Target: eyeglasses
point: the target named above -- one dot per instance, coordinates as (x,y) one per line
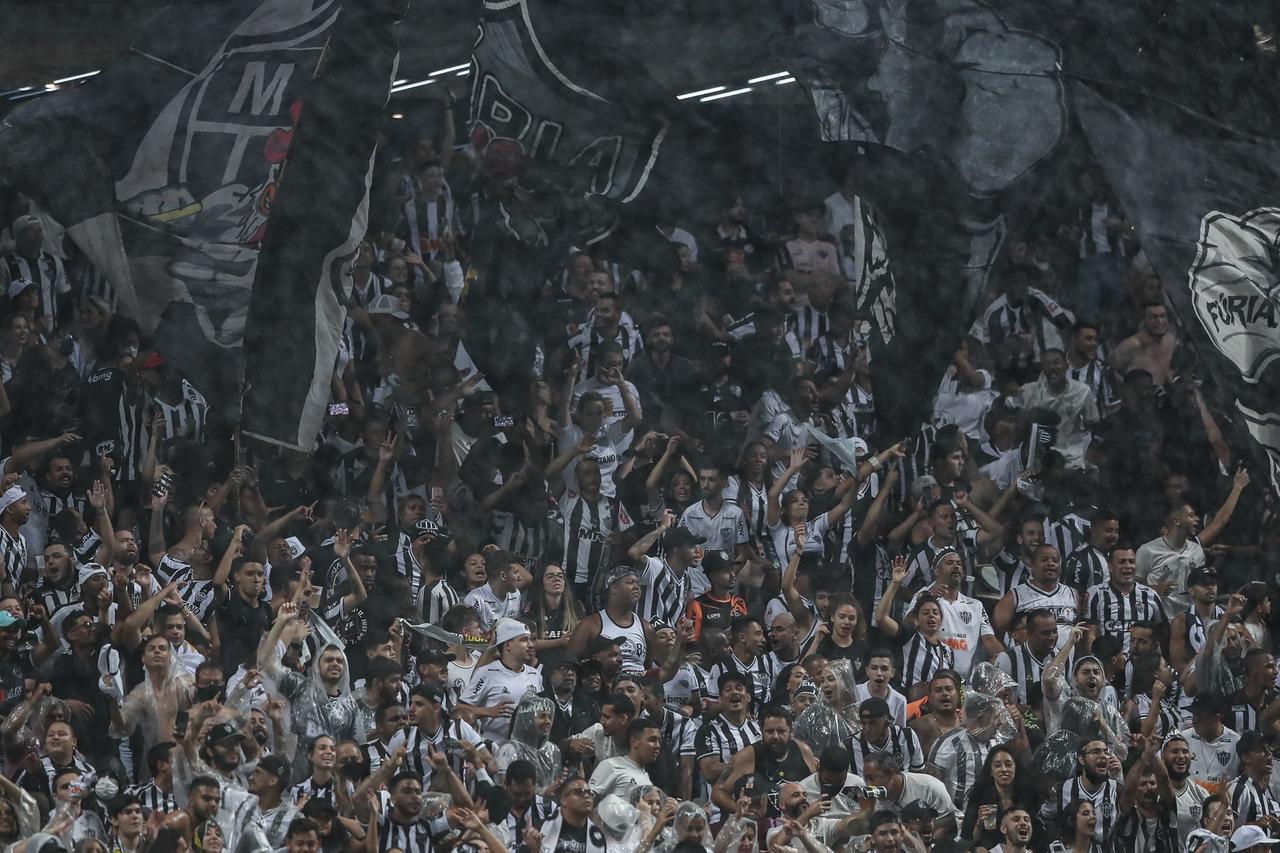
(578,792)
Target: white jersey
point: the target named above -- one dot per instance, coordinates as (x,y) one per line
(634,646)
(1062,602)
(494,684)
(1213,763)
(964,624)
(724,531)
(1190,806)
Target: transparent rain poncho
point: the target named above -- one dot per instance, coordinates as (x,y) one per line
(153,707)
(690,824)
(833,719)
(621,823)
(529,741)
(1082,720)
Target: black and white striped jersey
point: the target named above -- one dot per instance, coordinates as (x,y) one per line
(810,324)
(187,417)
(416,837)
(753,500)
(588,526)
(759,672)
(1250,801)
(13,553)
(1067,532)
(958,756)
(153,799)
(1085,567)
(1022,665)
(1011,569)
(721,739)
(54,503)
(434,599)
(665,594)
(1097,375)
(1106,803)
(1114,610)
(920,561)
(921,660)
(528,542)
(47,273)
(1196,631)
(899,742)
(1244,714)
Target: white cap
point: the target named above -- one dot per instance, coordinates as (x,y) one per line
(11,496)
(22,223)
(18,285)
(388,305)
(1250,835)
(296,548)
(509,629)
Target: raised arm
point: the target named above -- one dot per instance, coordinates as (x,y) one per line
(991,532)
(848,491)
(884,621)
(1052,677)
(342,549)
(638,552)
(565,416)
(229,556)
(871,521)
(1220,518)
(773,510)
(24,455)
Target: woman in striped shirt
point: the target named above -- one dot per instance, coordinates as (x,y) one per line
(923,651)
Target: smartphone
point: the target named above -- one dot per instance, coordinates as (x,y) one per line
(339,409)
(180,724)
(504,421)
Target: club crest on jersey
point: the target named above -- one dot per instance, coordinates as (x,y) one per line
(1224,757)
(966,617)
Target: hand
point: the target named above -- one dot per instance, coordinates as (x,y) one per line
(799,533)
(1158,688)
(97,496)
(37,612)
(469,819)
(899,569)
(673,444)
(684,630)
(287,612)
(518,479)
(668,520)
(438,760)
(68,438)
(159,500)
(614,377)
(532,839)
(275,710)
(1241,479)
(985,812)
(1235,604)
(1114,767)
(342,544)
(502,709)
(387,450)
(798,455)
(82,711)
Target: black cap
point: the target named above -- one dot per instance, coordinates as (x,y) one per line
(715,561)
(678,537)
(918,810)
(428,691)
(432,655)
(873,706)
(221,732)
(1203,575)
(277,766)
(1206,703)
(600,644)
(1249,741)
(731,677)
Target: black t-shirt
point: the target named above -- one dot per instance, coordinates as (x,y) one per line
(240,628)
(572,839)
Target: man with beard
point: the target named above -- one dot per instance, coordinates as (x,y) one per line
(831,779)
(268,782)
(1096,762)
(1188,797)
(57,587)
(1250,792)
(747,658)
(943,712)
(1042,591)
(964,619)
(1015,828)
(218,771)
(777,756)
(574,710)
(1025,663)
(1213,745)
(497,687)
(402,826)
(1189,630)
(1014,566)
(352,716)
(732,731)
(1148,814)
(1167,561)
(904,787)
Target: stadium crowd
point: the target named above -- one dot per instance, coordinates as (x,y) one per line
(670,591)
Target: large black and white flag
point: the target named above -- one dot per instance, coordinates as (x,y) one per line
(317,220)
(165,166)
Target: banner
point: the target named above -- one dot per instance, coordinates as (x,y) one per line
(163,168)
(318,218)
